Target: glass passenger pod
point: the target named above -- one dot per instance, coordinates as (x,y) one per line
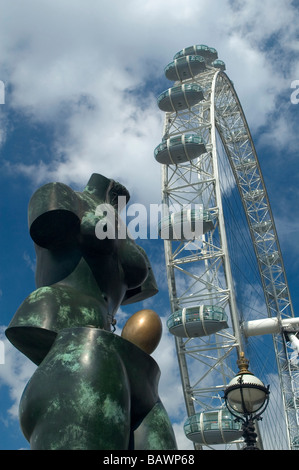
(208,53)
(185,67)
(292,365)
(180,97)
(202,320)
(279,291)
(219,64)
(255,195)
(262,227)
(293,403)
(187,224)
(246,164)
(213,427)
(270,258)
(180,149)
(237,137)
(295,443)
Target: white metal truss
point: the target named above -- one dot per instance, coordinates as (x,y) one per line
(199,271)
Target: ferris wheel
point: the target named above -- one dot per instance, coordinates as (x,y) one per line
(226,278)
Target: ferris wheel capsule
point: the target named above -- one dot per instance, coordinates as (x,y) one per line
(185,67)
(188,224)
(262,227)
(208,53)
(180,149)
(213,427)
(202,320)
(255,195)
(180,97)
(219,64)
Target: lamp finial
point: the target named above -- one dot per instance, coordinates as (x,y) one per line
(243,364)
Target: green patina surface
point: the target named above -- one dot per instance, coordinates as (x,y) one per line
(88,397)
(39,294)
(64,314)
(158,434)
(71,433)
(113,412)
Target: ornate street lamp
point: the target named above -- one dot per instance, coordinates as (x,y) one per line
(246,397)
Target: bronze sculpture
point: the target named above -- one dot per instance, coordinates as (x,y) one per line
(92,389)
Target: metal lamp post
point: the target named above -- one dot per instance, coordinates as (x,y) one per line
(246,397)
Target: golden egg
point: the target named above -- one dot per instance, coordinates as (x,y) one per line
(144,329)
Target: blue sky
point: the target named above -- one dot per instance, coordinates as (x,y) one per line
(81,81)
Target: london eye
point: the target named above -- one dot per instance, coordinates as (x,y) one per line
(227,284)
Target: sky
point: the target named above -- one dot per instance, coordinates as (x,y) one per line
(81,80)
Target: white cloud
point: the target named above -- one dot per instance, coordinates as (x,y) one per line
(166,357)
(182,442)
(14,373)
(281,133)
(29,262)
(84,68)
